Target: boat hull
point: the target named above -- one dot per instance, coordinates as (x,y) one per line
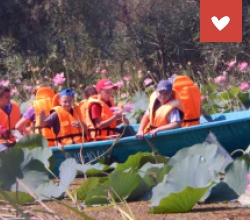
(232,130)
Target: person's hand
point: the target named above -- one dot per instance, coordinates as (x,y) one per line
(153,132)
(125,120)
(75,124)
(139,135)
(118,115)
(42,116)
(79,124)
(60,146)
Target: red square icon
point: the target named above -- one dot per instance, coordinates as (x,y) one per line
(220,21)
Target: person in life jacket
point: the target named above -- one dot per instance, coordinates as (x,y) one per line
(42,102)
(83,105)
(101,119)
(190,97)
(165,111)
(65,120)
(10,114)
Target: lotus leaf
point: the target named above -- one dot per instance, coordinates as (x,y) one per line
(189,180)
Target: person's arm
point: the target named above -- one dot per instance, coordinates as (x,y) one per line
(22,123)
(143,124)
(103,124)
(96,117)
(174,121)
(28,116)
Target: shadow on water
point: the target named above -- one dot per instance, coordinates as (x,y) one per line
(210,119)
(220,118)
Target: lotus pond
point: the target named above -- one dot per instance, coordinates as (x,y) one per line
(144,185)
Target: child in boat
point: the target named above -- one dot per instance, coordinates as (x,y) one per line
(10,114)
(43,102)
(101,120)
(87,92)
(65,120)
(165,111)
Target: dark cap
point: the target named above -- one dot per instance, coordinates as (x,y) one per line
(164,85)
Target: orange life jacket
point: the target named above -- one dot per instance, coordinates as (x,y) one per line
(158,117)
(43,102)
(68,134)
(190,97)
(83,105)
(106,113)
(9,122)
(55,100)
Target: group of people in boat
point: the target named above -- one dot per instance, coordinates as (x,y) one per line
(175,103)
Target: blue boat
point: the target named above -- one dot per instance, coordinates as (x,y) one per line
(232,130)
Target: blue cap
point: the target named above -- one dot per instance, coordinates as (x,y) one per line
(164,85)
(67,92)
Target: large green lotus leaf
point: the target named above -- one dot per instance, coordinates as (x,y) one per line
(236,174)
(181,201)
(92,169)
(38,146)
(32,141)
(68,169)
(88,185)
(139,191)
(154,159)
(49,190)
(123,183)
(221,192)
(154,173)
(119,184)
(23,198)
(67,174)
(98,195)
(191,174)
(43,154)
(216,156)
(134,161)
(19,163)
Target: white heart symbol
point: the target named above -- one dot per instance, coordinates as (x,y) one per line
(220,24)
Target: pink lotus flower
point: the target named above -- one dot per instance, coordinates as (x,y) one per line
(14,91)
(4,82)
(248,177)
(28,88)
(2,129)
(220,79)
(128,107)
(243,66)
(119,83)
(104,71)
(58,79)
(147,81)
(127,78)
(244,86)
(202,97)
(248,187)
